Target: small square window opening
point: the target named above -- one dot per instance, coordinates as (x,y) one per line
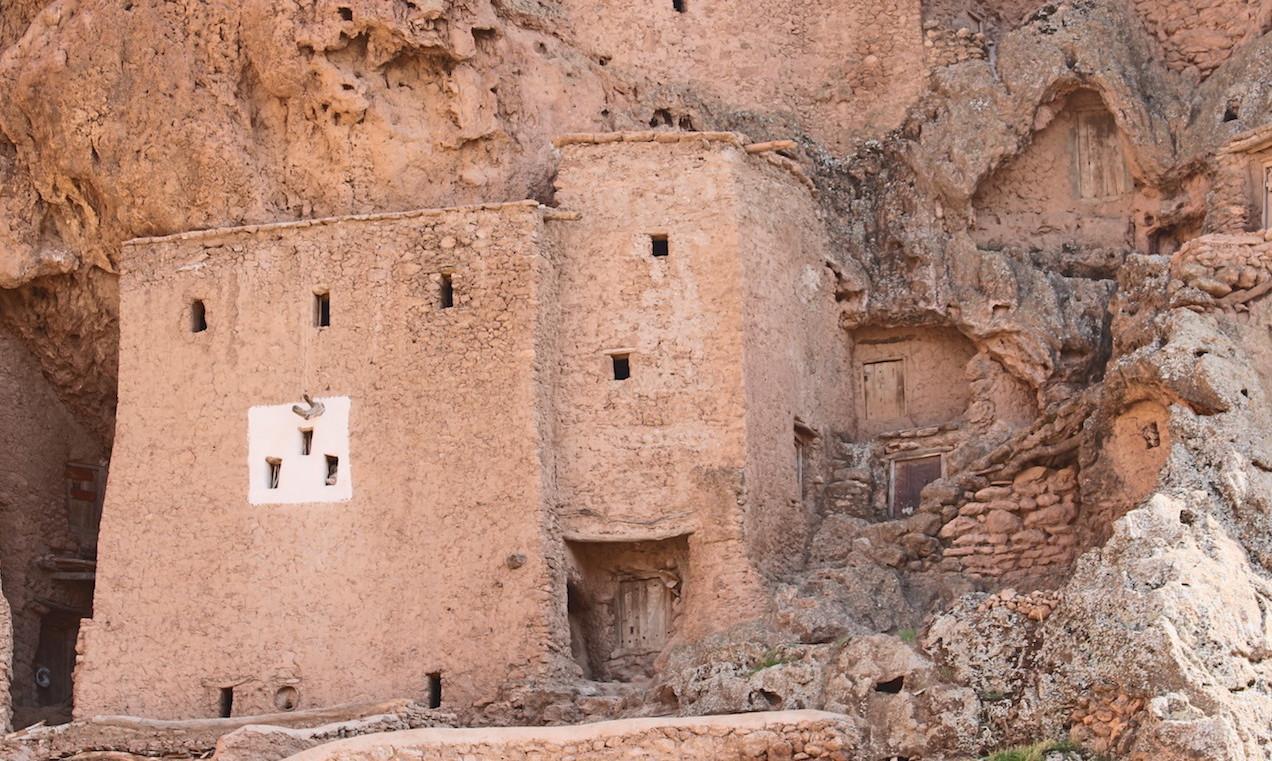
(659,245)
(333,469)
(622,366)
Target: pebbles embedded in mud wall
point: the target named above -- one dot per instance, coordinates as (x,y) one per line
(947,46)
(1018,529)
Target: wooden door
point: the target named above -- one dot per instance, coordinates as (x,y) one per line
(644,615)
(884,384)
(1101,168)
(908,479)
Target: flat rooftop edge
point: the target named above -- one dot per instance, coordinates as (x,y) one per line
(212,233)
(561,734)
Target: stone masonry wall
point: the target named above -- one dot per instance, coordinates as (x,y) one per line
(1023,528)
(775,736)
(1222,270)
(1201,34)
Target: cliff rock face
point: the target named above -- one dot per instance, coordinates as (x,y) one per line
(1037,194)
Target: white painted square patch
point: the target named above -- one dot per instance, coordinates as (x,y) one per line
(281,471)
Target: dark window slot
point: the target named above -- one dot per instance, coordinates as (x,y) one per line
(333,469)
(435,690)
(306,440)
(622,366)
(225,704)
(446,292)
(198,317)
(659,245)
(274,468)
(322,310)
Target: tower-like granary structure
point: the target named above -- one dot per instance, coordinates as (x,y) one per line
(437,453)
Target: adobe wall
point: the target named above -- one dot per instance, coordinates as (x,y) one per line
(1033,201)
(660,454)
(347,600)
(38,436)
(6,662)
(796,359)
(772,735)
(728,335)
(935,361)
(822,57)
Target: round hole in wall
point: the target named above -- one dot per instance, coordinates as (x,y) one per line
(287,698)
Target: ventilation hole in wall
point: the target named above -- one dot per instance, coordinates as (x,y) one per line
(198,317)
(1232,111)
(333,469)
(1245,392)
(286,698)
(346,14)
(322,309)
(1152,436)
(225,703)
(273,469)
(604,60)
(306,440)
(446,291)
(686,123)
(622,366)
(661,117)
(679,5)
(892,686)
(435,690)
(1186,517)
(484,38)
(659,245)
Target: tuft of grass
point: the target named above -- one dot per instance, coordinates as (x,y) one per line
(773,657)
(908,636)
(1036,752)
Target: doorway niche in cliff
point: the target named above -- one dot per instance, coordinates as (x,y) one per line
(909,377)
(1071,184)
(624,601)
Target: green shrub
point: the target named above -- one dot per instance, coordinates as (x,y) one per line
(1035,752)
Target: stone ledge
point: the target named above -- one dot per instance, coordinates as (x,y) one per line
(820,734)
